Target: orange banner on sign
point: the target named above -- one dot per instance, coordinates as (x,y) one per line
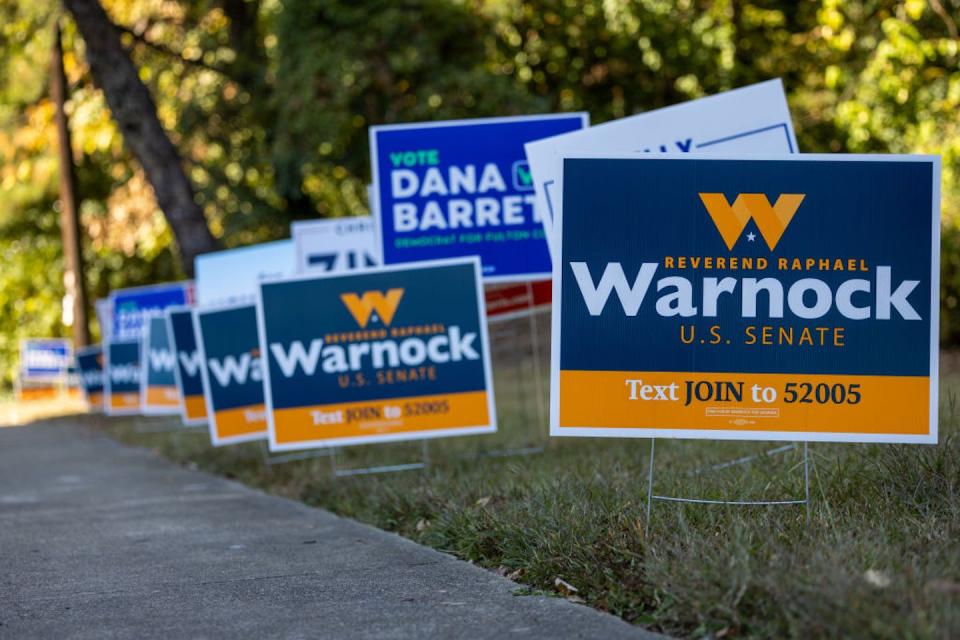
(195,407)
(95,400)
(245,421)
(162,396)
(125,400)
(743,402)
(381,417)
(38,393)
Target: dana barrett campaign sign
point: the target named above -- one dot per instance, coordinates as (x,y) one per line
(232,378)
(122,388)
(463,188)
(90,366)
(158,391)
(186,372)
(793,298)
(396,353)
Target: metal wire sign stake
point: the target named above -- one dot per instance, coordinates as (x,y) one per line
(724,465)
(337,472)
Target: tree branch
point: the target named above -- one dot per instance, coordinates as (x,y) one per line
(168,51)
(946,17)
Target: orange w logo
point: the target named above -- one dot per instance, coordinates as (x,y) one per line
(361,307)
(732,219)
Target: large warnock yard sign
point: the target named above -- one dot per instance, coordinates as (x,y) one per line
(395,353)
(793,298)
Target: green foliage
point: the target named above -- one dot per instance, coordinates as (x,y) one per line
(335,78)
(29,305)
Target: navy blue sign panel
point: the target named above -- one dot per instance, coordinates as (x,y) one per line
(789,298)
(463,188)
(90,367)
(123,378)
(388,354)
(159,392)
(232,374)
(187,372)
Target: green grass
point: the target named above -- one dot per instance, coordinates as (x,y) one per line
(878,558)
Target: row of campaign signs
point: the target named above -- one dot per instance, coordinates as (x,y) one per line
(705,279)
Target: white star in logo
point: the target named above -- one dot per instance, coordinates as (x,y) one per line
(751,236)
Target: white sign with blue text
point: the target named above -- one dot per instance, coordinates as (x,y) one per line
(230,277)
(750,120)
(336,244)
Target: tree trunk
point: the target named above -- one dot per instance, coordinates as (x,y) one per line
(136,115)
(74,277)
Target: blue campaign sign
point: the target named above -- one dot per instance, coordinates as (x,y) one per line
(463,188)
(189,380)
(122,389)
(789,298)
(394,353)
(44,359)
(131,307)
(90,366)
(232,376)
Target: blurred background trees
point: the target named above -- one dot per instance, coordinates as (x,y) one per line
(268,103)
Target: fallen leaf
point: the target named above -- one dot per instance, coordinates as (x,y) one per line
(484,501)
(516,575)
(877,579)
(565,587)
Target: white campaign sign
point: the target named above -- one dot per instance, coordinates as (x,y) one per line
(231,277)
(338,244)
(104,309)
(753,119)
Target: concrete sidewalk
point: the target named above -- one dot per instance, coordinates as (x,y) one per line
(99,540)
